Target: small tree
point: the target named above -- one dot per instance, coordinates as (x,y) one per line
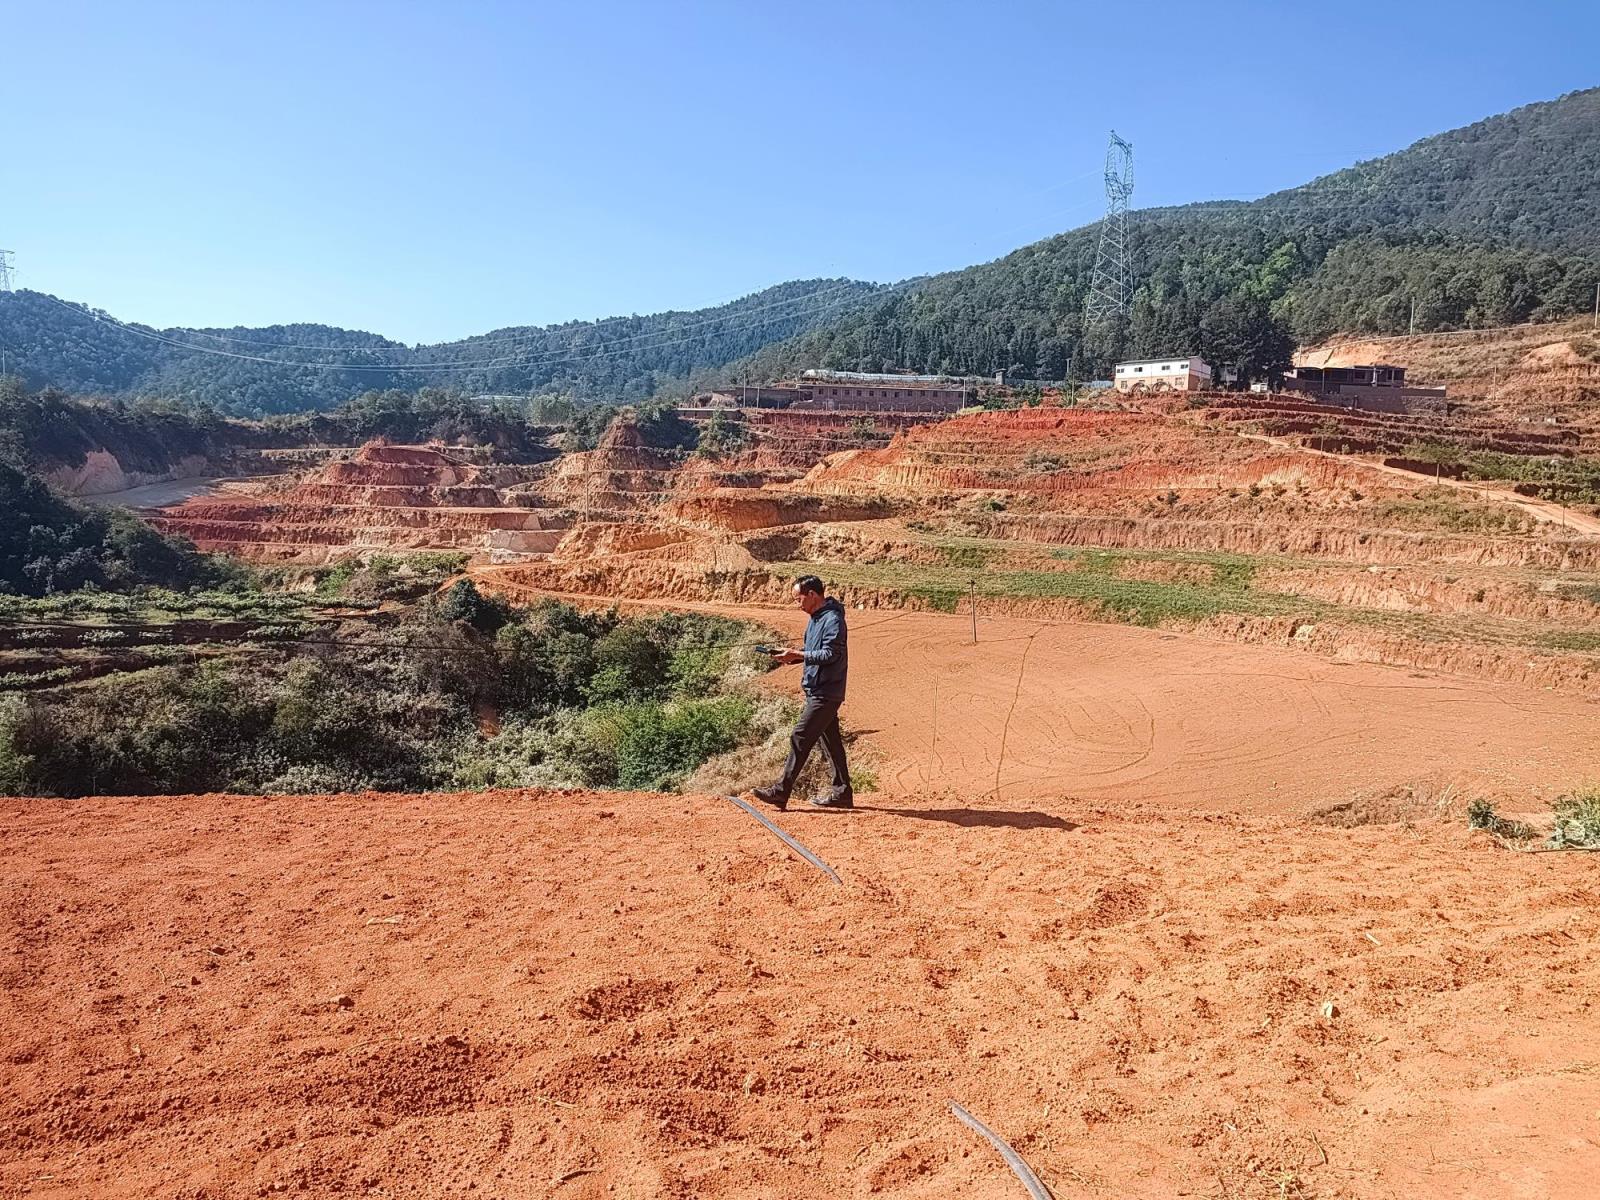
(722,434)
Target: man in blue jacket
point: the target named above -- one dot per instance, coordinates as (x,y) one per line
(826,659)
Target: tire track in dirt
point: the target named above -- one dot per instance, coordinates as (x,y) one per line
(1119,713)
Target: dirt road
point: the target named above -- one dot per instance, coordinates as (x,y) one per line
(525,994)
(1118,713)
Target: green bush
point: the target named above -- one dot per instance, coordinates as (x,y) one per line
(465,603)
(584,698)
(1577,819)
(658,745)
(49,544)
(723,433)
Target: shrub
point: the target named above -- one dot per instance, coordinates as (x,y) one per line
(660,426)
(1577,819)
(401,718)
(658,745)
(722,433)
(630,664)
(1481,815)
(23,728)
(466,604)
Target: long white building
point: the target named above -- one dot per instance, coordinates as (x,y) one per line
(1163,374)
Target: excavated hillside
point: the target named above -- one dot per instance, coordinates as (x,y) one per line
(1257,518)
(1537,373)
(382,498)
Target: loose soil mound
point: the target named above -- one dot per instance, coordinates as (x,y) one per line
(527,994)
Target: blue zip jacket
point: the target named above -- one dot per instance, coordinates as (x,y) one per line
(827,653)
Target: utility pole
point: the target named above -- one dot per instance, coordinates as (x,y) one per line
(5,270)
(1413,314)
(1112,286)
(972,584)
(1597,307)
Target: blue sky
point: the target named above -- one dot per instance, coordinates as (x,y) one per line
(431,170)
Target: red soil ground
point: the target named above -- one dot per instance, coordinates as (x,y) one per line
(527,994)
(1119,713)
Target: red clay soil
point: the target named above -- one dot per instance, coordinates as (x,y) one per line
(534,994)
(1115,713)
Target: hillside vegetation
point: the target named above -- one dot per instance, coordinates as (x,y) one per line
(1495,223)
(1491,224)
(289,368)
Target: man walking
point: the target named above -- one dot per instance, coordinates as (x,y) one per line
(826,660)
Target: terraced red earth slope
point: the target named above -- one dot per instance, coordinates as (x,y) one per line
(381,498)
(535,994)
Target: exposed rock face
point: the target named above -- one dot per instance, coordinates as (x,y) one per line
(102,473)
(382,498)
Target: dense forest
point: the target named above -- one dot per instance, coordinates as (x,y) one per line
(1494,223)
(293,368)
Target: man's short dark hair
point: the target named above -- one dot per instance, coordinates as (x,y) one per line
(809,583)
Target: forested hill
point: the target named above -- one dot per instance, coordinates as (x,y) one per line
(289,368)
(1494,223)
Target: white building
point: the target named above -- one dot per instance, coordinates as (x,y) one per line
(1163,374)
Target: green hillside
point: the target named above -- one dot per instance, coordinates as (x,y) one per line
(289,368)
(1495,223)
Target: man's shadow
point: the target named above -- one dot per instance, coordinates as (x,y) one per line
(975,818)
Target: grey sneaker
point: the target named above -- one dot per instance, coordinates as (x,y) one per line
(833,800)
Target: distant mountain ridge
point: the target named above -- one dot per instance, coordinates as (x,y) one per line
(1494,223)
(286,368)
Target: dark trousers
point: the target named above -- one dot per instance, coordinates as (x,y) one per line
(819,722)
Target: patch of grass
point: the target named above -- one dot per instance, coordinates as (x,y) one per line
(158,605)
(939,599)
(1577,819)
(1581,591)
(1575,478)
(863,779)
(1438,508)
(971,557)
(1136,601)
(20,679)
(1582,641)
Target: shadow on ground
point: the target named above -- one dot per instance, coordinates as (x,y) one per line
(992,818)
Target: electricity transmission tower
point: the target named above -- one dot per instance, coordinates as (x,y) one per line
(1112,286)
(5,270)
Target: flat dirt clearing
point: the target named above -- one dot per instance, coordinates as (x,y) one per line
(528,994)
(1118,713)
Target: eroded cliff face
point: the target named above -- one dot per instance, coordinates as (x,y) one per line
(102,473)
(1244,517)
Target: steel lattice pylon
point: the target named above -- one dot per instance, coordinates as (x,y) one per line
(1112,288)
(5,270)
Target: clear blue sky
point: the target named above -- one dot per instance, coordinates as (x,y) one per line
(430,170)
